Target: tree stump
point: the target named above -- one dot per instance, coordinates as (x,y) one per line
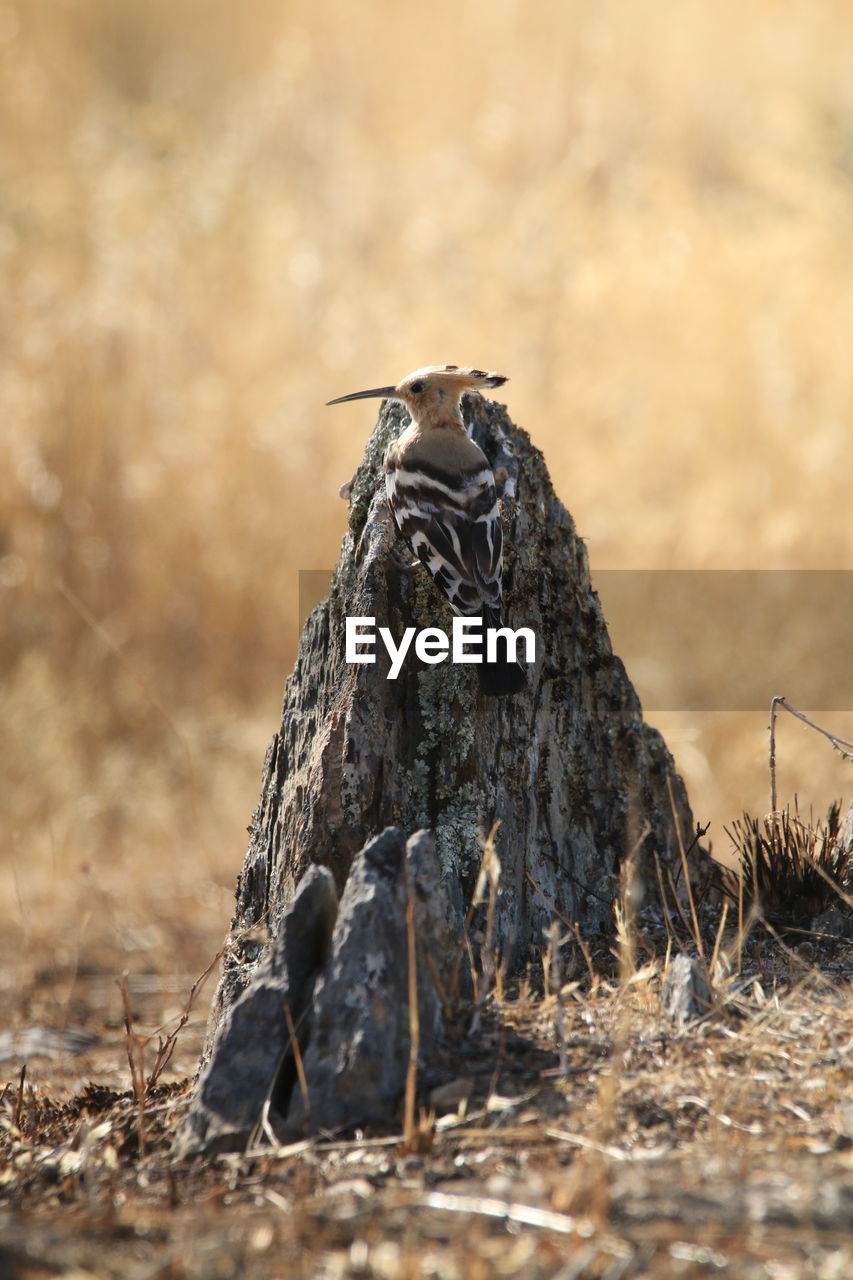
(568,768)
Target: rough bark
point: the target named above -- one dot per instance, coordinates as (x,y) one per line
(575,777)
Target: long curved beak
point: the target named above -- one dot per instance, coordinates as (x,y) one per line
(378,393)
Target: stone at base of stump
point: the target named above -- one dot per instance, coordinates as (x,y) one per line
(348,998)
(685,994)
(249,1048)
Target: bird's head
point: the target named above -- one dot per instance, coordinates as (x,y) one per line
(432,395)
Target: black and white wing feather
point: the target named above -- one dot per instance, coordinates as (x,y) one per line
(452,523)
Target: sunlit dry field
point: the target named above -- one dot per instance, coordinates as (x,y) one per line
(215,216)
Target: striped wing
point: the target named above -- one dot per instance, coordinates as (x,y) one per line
(452,524)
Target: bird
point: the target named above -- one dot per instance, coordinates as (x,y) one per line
(443,497)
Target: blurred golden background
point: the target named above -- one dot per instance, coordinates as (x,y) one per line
(214,216)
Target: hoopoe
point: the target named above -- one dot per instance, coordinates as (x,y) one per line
(441,491)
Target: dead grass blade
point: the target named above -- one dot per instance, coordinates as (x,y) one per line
(300,1065)
(135,1049)
(697,932)
(507,1211)
(166,1044)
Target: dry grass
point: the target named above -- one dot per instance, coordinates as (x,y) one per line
(577,1132)
(216,215)
(789,868)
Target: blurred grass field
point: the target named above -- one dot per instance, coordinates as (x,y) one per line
(215,216)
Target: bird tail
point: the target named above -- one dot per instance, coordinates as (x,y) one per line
(504,675)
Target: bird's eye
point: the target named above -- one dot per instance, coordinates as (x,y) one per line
(416,387)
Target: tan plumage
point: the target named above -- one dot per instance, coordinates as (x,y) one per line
(442,493)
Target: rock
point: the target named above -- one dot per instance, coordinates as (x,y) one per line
(348,992)
(249,1060)
(834,923)
(685,993)
(358,1054)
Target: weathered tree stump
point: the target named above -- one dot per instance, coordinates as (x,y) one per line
(568,768)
